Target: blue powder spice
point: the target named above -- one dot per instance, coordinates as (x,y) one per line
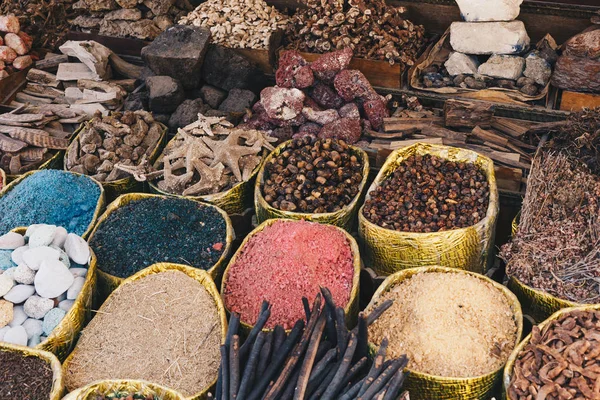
(50,197)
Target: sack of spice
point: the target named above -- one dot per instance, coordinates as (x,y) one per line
(123,389)
(282,261)
(320,180)
(456,327)
(165,325)
(430,205)
(29,374)
(138,230)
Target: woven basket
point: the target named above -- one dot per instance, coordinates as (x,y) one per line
(53,162)
(388,251)
(350,309)
(3,181)
(430,387)
(203,278)
(107,282)
(343,218)
(108,387)
(57,377)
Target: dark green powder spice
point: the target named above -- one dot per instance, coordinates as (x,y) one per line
(152,230)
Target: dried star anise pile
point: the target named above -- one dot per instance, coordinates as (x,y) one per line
(429,194)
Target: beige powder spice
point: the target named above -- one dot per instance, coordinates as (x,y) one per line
(448,324)
(163,328)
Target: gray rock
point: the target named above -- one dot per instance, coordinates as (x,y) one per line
(530,90)
(124,14)
(136,101)
(503,67)
(33,327)
(77,249)
(19,317)
(186,113)
(66,305)
(34,341)
(11,241)
(53,279)
(537,68)
(162,118)
(489,10)
(212,96)
(19,293)
(52,319)
(226,69)
(6,283)
(459,63)
(179,53)
(23,274)
(16,335)
(159,7)
(522,81)
(238,101)
(165,94)
(60,235)
(35,256)
(36,307)
(489,37)
(17,254)
(3,332)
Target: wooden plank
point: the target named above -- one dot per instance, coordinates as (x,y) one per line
(489,136)
(513,127)
(573,101)
(508,178)
(466,114)
(51,63)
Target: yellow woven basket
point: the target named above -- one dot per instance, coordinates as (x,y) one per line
(125,185)
(510,364)
(99,206)
(388,251)
(430,387)
(2,179)
(107,282)
(107,387)
(57,377)
(343,218)
(350,310)
(203,278)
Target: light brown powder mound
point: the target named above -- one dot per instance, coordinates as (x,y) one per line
(163,328)
(448,324)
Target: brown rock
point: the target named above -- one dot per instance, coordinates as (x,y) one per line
(347,129)
(586,44)
(577,74)
(159,7)
(127,3)
(124,14)
(6,313)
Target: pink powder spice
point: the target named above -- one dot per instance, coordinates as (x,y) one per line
(283,263)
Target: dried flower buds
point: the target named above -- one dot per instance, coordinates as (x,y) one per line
(313,176)
(429,194)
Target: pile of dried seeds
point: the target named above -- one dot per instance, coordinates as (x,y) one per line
(24,377)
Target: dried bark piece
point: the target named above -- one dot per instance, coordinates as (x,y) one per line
(9,144)
(35,137)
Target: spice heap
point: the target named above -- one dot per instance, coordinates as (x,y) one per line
(210,156)
(155,229)
(14,46)
(109,147)
(41,275)
(46,197)
(284,262)
(163,328)
(238,23)
(313,176)
(24,376)
(372,29)
(557,246)
(560,361)
(129,18)
(432,309)
(429,194)
(319,359)
(322,98)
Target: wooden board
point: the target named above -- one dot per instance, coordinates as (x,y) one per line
(573,101)
(10,86)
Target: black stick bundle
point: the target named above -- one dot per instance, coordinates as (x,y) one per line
(321,360)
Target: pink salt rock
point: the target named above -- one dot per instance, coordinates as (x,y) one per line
(27,40)
(1,41)
(259,119)
(7,54)
(293,71)
(282,104)
(328,65)
(349,110)
(2,65)
(320,117)
(309,128)
(326,97)
(15,42)
(376,111)
(9,23)
(285,262)
(352,84)
(22,62)
(309,102)
(347,129)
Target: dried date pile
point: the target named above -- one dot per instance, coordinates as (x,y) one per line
(561,361)
(373,29)
(429,194)
(313,176)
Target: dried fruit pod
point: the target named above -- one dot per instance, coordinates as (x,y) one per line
(388,251)
(111,386)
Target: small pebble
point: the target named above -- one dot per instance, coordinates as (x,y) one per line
(63,257)
(11,240)
(60,235)
(75,288)
(16,335)
(53,279)
(34,257)
(42,236)
(52,319)
(66,305)
(19,317)
(6,260)
(23,274)
(33,341)
(17,254)
(77,272)
(6,313)
(3,332)
(19,293)
(33,327)
(10,272)
(6,283)
(37,307)
(31,229)
(77,249)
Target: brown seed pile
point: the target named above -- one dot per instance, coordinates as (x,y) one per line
(448,324)
(429,194)
(313,176)
(373,29)
(109,147)
(163,328)
(561,361)
(24,377)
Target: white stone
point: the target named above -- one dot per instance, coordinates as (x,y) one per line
(503,67)
(75,288)
(33,341)
(77,249)
(66,305)
(537,69)
(16,335)
(77,272)
(19,317)
(63,257)
(19,293)
(37,307)
(6,283)
(489,37)
(459,63)
(31,229)
(33,327)
(34,257)
(60,235)
(489,10)
(11,241)
(53,279)
(3,332)
(10,272)
(60,298)
(23,274)
(43,235)
(17,254)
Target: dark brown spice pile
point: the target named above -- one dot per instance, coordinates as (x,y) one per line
(24,377)
(429,194)
(126,396)
(313,176)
